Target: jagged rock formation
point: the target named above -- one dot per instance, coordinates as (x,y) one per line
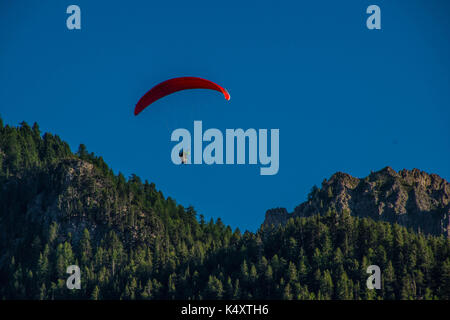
(412,198)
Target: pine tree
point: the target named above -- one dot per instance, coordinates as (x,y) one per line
(214,288)
(237,290)
(292,272)
(342,288)
(95,293)
(171,286)
(326,285)
(287,294)
(444,290)
(388,280)
(85,247)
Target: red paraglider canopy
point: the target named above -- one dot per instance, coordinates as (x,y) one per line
(173,85)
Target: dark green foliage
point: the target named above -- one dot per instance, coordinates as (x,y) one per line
(130,242)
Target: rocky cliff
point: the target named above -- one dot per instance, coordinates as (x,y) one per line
(76,195)
(412,198)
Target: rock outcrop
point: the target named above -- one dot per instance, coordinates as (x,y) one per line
(412,198)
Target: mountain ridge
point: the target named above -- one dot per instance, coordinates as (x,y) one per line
(412,198)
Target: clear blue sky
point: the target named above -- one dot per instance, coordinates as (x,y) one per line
(344,98)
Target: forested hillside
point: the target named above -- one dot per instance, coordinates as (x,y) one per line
(59,208)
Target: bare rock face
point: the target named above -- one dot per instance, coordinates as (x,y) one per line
(276,216)
(412,198)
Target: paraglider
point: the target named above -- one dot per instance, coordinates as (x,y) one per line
(183,156)
(173,85)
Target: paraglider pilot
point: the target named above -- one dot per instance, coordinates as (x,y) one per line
(183,156)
